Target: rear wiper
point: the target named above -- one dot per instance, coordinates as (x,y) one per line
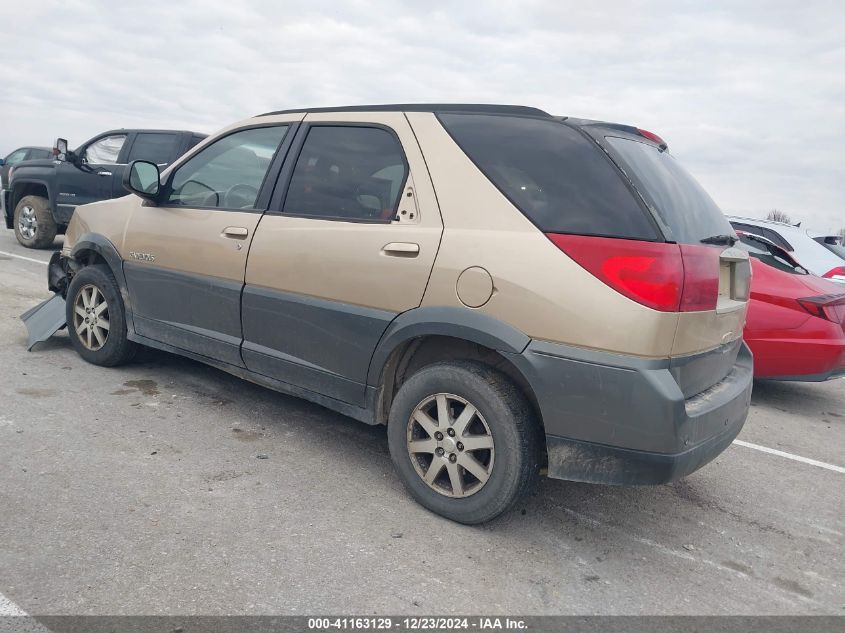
(721,240)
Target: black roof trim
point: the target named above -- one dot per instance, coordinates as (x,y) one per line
(477,108)
(143,130)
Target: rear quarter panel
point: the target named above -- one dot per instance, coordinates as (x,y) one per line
(537,288)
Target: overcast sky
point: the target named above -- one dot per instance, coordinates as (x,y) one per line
(749,95)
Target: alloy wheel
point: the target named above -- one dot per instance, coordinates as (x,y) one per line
(450,445)
(27,222)
(91,317)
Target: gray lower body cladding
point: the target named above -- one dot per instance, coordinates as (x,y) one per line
(619,420)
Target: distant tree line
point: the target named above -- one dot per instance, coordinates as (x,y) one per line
(776,215)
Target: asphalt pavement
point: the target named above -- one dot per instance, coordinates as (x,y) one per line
(168,487)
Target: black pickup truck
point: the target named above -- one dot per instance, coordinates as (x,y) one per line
(42,194)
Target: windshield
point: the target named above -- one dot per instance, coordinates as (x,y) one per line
(682,204)
(774,256)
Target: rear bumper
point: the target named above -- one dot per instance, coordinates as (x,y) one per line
(621,420)
(595,463)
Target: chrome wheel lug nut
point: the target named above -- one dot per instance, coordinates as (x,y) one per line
(439,452)
(438,436)
(451,432)
(453,458)
(460,446)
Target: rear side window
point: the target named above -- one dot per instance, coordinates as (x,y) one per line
(156,148)
(767,233)
(354,173)
(39,154)
(771,255)
(558,178)
(682,204)
(777,239)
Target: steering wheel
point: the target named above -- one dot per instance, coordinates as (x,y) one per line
(247,193)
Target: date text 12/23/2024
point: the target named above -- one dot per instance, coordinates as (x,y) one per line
(415,624)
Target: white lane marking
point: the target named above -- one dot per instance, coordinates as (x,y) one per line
(7,607)
(28,259)
(797,458)
(27,624)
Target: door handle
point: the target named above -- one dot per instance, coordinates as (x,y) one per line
(235,232)
(104,173)
(401,249)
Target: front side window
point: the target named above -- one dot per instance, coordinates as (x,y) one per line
(347,172)
(104,151)
(156,148)
(228,173)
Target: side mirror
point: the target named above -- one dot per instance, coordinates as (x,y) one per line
(60,150)
(143,179)
(2,162)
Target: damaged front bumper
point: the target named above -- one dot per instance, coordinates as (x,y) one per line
(48,317)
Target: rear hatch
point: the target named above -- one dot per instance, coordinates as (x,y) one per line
(717,275)
(617,203)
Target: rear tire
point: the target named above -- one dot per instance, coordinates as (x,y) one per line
(34,224)
(491,431)
(96,318)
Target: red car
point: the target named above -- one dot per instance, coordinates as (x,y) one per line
(796,321)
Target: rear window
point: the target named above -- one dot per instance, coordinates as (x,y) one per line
(39,154)
(836,249)
(831,243)
(682,204)
(554,175)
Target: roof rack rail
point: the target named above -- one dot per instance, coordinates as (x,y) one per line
(477,108)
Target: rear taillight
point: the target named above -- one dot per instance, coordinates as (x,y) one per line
(665,277)
(837,274)
(823,306)
(701,277)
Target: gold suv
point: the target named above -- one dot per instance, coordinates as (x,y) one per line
(508,291)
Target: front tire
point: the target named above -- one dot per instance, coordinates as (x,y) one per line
(464,440)
(96,318)
(33,222)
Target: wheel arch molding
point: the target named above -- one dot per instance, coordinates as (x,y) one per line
(27,186)
(458,323)
(107,253)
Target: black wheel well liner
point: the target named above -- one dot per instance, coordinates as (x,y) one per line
(93,248)
(27,188)
(456,335)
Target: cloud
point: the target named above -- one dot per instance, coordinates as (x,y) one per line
(750,95)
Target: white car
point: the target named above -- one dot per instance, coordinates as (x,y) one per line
(822,254)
